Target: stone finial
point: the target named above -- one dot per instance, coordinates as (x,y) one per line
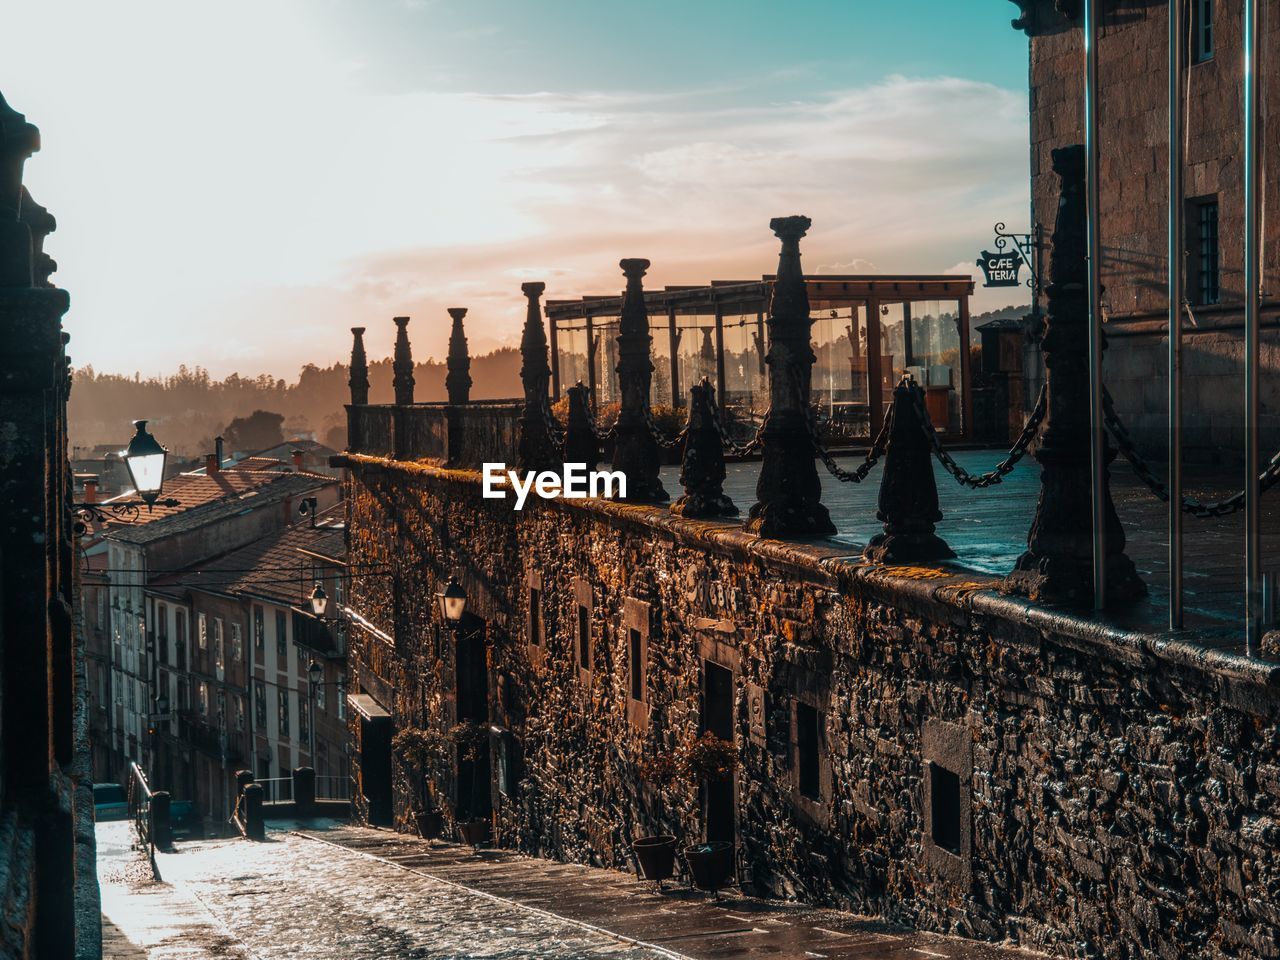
(458,380)
(359,379)
(1058,563)
(788,493)
(702,470)
(41,223)
(536,447)
(581,445)
(908,492)
(402,364)
(18,141)
(635,449)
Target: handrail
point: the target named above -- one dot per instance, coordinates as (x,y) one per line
(139,796)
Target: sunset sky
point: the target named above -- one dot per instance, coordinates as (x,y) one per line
(238,183)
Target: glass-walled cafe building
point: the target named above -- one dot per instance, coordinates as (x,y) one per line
(867,333)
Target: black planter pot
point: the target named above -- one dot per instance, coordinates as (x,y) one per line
(474,832)
(430,824)
(711,864)
(656,857)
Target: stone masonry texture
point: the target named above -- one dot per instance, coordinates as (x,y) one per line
(1119,796)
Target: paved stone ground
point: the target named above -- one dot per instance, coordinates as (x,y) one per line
(988,530)
(334,892)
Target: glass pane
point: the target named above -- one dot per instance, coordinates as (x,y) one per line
(571,347)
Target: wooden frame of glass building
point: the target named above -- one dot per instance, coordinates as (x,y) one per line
(866,330)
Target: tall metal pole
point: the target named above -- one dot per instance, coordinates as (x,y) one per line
(1176,293)
(1094,247)
(1252,283)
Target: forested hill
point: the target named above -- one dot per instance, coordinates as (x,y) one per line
(188,409)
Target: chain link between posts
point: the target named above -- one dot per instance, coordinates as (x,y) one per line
(1219,508)
(1002,469)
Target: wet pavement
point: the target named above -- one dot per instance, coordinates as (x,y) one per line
(330,891)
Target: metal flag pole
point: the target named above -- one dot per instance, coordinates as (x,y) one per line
(1177,17)
(1096,449)
(1252,47)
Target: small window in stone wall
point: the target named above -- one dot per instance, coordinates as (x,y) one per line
(808,758)
(535,616)
(636,663)
(635,625)
(944,808)
(582,638)
(947,759)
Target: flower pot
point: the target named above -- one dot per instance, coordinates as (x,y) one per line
(474,832)
(656,857)
(430,824)
(711,864)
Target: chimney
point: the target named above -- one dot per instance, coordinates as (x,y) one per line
(289,517)
(217,448)
(297,459)
(90,489)
(211,464)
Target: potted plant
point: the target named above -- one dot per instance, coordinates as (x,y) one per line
(471,739)
(656,855)
(425,753)
(710,760)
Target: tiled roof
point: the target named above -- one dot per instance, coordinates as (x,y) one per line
(275,567)
(205,499)
(258,463)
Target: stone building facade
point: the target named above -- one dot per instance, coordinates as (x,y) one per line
(911,742)
(1133,145)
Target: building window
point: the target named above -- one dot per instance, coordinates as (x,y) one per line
(535,616)
(162,633)
(283,695)
(282,641)
(239,712)
(342,702)
(260,705)
(1201,30)
(259,630)
(320,696)
(180,639)
(304,723)
(203,692)
(584,637)
(202,630)
(1205,275)
(237,643)
(635,661)
(944,808)
(808,751)
(218,660)
(184,695)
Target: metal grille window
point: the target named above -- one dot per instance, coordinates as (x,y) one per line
(260,705)
(1201,30)
(282,641)
(1207,251)
(284,713)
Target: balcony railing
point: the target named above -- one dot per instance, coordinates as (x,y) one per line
(456,435)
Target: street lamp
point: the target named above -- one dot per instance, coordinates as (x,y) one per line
(315,674)
(319,600)
(145,459)
(453,602)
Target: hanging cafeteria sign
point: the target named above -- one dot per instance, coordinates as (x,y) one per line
(1001,267)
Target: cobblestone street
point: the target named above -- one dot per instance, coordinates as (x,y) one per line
(349,893)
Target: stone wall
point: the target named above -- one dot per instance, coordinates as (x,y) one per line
(1133,194)
(987,767)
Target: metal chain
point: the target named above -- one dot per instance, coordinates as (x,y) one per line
(1219,508)
(661,438)
(859,473)
(737,449)
(555,432)
(1005,466)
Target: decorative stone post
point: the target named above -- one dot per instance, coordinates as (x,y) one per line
(402,364)
(908,492)
(359,372)
(1058,563)
(788,493)
(581,445)
(536,449)
(635,450)
(702,467)
(358,381)
(458,380)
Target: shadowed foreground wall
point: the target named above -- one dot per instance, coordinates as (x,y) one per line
(1116,794)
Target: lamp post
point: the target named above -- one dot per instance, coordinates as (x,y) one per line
(319,600)
(315,674)
(144,459)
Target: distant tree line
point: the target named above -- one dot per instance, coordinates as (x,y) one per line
(189,408)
